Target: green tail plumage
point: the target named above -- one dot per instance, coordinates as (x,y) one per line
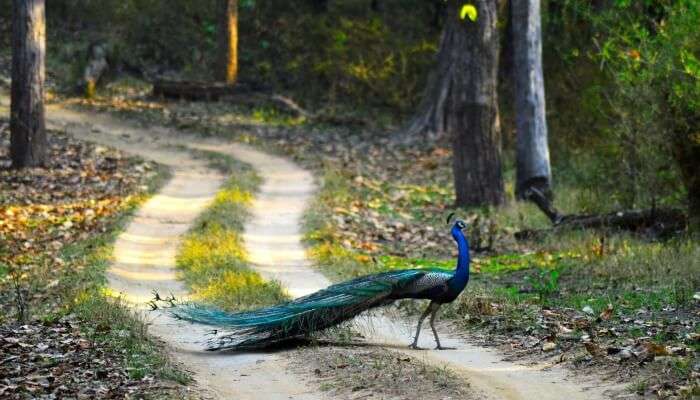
(300,317)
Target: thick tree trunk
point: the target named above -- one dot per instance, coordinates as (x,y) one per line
(27,127)
(471,104)
(532,151)
(228,40)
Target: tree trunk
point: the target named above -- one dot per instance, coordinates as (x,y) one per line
(228,40)
(532,151)
(429,121)
(687,154)
(470,109)
(27,127)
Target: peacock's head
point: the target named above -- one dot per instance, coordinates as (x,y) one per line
(459,224)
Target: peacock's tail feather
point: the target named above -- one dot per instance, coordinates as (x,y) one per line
(315,312)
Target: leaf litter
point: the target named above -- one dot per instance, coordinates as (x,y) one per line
(57,361)
(51,222)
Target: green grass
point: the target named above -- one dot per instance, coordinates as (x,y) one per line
(117,329)
(212,259)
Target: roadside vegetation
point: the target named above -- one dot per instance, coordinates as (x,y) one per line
(56,236)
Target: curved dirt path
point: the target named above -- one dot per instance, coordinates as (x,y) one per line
(144,260)
(144,254)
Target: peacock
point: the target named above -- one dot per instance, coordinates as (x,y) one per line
(335,304)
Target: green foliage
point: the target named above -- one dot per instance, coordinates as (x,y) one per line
(347,53)
(622,92)
(174,34)
(656,97)
(348,56)
(545,283)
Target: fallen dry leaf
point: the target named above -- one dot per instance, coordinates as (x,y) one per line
(607,313)
(594,349)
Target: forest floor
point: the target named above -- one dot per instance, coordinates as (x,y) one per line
(144,260)
(619,304)
(173,217)
(381,206)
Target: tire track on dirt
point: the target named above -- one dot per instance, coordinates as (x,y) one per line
(144,257)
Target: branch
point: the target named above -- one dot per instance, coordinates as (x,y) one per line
(536,196)
(658,222)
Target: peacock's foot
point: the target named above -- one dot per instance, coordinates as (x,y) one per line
(414,346)
(438,347)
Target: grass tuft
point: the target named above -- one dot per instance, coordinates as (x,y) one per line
(212,258)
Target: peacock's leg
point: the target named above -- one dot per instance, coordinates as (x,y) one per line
(414,345)
(432,325)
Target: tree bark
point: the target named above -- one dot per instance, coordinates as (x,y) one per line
(532,151)
(27,126)
(228,40)
(470,110)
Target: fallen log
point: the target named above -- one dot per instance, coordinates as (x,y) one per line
(194,90)
(291,105)
(322,116)
(244,94)
(656,222)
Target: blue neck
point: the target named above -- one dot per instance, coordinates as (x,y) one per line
(461,275)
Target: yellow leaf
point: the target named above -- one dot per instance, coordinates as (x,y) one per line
(468,10)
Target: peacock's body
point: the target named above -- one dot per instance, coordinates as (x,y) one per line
(335,304)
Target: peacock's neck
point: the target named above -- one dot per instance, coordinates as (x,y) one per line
(463,259)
